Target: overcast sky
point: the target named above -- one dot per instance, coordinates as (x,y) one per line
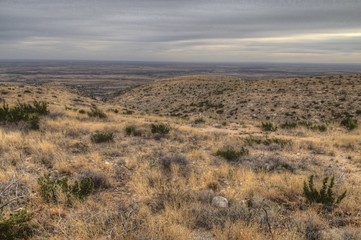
(321,31)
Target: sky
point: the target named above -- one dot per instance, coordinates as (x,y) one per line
(305,31)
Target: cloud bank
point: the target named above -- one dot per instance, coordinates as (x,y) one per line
(324,31)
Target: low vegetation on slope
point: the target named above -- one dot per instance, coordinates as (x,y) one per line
(94,170)
(321,99)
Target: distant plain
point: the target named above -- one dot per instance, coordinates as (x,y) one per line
(104,78)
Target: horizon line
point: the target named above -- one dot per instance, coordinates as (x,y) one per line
(175,62)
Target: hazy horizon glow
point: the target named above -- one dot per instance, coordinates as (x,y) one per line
(319,31)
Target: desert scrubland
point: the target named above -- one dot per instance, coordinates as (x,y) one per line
(196,157)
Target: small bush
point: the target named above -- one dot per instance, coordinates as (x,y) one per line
(40,108)
(82,111)
(48,188)
(349,123)
(325,195)
(215,186)
(102,137)
(53,189)
(82,188)
(128,112)
(199,121)
(168,161)
(114,110)
(96,112)
(16,226)
(22,111)
(267,141)
(288,125)
(161,128)
(132,131)
(99,180)
(313,126)
(34,123)
(307,124)
(268,127)
(25,112)
(79,147)
(231,154)
(322,128)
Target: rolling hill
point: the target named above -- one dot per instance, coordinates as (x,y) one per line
(321,99)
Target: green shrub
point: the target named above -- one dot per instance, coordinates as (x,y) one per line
(34,123)
(40,108)
(231,154)
(325,195)
(96,112)
(57,190)
(268,127)
(132,131)
(102,137)
(24,112)
(161,128)
(307,124)
(129,130)
(349,123)
(82,188)
(16,226)
(48,188)
(313,126)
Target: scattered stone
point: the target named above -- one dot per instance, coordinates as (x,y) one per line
(220,202)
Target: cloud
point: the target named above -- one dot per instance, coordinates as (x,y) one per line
(181,30)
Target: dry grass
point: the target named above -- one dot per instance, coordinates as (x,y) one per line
(162,187)
(230,99)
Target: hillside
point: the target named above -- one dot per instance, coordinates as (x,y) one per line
(322,99)
(72,167)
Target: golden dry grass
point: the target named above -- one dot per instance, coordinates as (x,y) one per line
(162,187)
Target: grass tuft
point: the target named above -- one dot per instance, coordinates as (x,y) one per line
(96,112)
(160,128)
(349,123)
(268,127)
(102,137)
(231,154)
